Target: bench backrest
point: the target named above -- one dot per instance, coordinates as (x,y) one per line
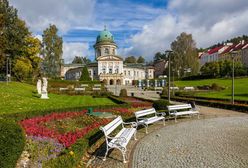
(145,112)
(110,127)
(179,107)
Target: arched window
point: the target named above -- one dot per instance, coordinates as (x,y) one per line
(113,51)
(99,52)
(106,51)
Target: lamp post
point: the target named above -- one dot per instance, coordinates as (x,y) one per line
(8,68)
(168,55)
(233,55)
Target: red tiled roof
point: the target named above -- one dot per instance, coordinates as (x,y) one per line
(245,46)
(214,50)
(228,49)
(238,47)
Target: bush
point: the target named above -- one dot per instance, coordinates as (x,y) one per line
(12,142)
(160,104)
(123,93)
(165,91)
(216,87)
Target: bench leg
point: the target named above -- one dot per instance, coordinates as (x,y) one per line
(135,136)
(123,151)
(164,121)
(105,154)
(198,116)
(175,118)
(146,129)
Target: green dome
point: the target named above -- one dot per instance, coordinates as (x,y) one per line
(105,35)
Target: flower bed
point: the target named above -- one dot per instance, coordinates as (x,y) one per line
(39,126)
(136,103)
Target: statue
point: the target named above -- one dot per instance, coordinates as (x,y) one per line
(38,86)
(44,89)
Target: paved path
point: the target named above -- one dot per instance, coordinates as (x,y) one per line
(216,142)
(201,130)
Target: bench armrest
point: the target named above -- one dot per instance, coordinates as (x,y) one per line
(118,139)
(162,114)
(133,124)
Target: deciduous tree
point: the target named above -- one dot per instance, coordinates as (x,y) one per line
(52,51)
(184,54)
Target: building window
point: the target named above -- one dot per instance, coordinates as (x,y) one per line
(134,73)
(110,70)
(99,52)
(104,70)
(116,70)
(129,73)
(125,73)
(106,51)
(113,51)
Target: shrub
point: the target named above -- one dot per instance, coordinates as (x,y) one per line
(215,86)
(160,104)
(12,142)
(165,91)
(123,93)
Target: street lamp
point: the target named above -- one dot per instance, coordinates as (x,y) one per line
(8,68)
(233,55)
(168,55)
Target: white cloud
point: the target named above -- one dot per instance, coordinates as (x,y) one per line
(70,50)
(65,14)
(209,21)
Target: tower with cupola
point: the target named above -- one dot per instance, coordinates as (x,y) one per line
(105,44)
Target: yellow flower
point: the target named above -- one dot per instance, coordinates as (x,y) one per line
(71,153)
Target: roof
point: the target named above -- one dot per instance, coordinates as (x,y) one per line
(214,50)
(105,35)
(228,49)
(239,46)
(245,46)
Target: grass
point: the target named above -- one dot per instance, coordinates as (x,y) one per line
(20,97)
(241,88)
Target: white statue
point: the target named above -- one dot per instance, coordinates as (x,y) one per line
(44,89)
(38,86)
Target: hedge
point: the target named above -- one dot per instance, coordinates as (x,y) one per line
(12,141)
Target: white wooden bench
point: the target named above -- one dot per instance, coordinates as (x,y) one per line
(96,89)
(189,88)
(63,89)
(121,139)
(79,89)
(182,109)
(148,116)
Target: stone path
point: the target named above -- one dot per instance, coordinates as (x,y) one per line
(218,142)
(213,121)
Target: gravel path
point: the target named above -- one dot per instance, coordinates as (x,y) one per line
(216,142)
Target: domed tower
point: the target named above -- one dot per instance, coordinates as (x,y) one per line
(105,44)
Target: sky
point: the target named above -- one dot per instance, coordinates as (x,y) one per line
(140,27)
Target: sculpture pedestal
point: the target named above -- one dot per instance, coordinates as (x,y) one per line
(44,95)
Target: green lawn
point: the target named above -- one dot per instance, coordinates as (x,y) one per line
(20,97)
(241,87)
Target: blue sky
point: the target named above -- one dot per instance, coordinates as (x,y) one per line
(140,27)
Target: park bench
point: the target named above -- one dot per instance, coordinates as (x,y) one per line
(79,89)
(189,88)
(96,88)
(148,116)
(63,89)
(121,139)
(182,109)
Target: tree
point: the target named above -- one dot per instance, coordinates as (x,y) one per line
(141,60)
(184,55)
(159,56)
(22,68)
(77,60)
(32,50)
(52,51)
(130,59)
(210,69)
(81,60)
(85,75)
(12,33)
